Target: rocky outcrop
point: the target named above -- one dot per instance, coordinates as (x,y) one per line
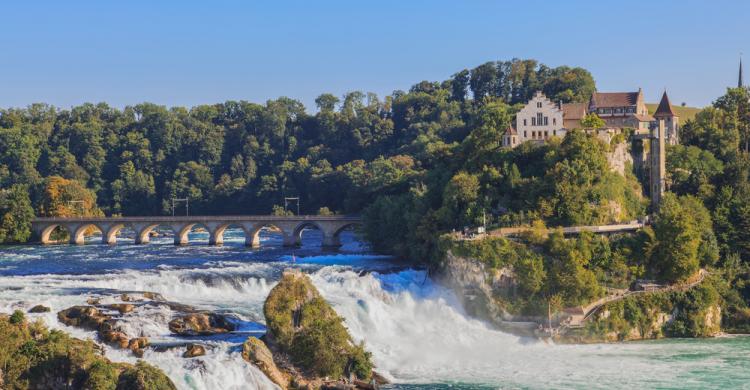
(61,362)
(619,157)
(477,286)
(201,324)
(256,352)
(306,341)
(39,309)
(194,350)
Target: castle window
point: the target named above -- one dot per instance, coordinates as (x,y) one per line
(524,122)
(539,118)
(539,105)
(525,135)
(546,134)
(533,121)
(554,132)
(554,121)
(546,121)
(533,134)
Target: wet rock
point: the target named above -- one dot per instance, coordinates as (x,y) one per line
(201,324)
(121,307)
(93,301)
(153,296)
(126,298)
(115,337)
(256,352)
(87,317)
(194,350)
(137,345)
(39,309)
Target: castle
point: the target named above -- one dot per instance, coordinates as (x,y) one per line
(541,118)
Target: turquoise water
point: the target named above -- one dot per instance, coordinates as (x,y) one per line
(418,334)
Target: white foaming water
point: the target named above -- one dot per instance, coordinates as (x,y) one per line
(418,333)
(415,329)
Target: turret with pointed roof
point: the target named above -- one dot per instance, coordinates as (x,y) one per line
(665,108)
(664,113)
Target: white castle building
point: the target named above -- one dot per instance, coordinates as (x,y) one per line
(541,119)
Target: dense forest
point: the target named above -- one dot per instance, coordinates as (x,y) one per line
(416,164)
(243,158)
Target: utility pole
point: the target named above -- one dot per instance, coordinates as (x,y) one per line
(187,205)
(294,199)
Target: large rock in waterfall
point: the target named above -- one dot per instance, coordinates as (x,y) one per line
(308,339)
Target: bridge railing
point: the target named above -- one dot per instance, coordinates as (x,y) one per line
(204,218)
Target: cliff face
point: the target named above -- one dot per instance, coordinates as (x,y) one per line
(482,289)
(486,293)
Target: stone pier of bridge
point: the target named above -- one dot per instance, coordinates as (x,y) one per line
(290,227)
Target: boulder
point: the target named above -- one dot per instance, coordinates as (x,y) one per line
(201,324)
(153,296)
(194,350)
(121,307)
(39,309)
(93,301)
(137,345)
(87,317)
(115,337)
(256,352)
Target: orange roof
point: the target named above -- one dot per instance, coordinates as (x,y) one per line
(511,131)
(573,111)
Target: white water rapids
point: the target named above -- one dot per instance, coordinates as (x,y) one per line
(416,330)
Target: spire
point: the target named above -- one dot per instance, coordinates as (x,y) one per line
(665,108)
(740,84)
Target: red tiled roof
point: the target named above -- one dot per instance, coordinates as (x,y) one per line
(510,131)
(614,99)
(665,108)
(573,111)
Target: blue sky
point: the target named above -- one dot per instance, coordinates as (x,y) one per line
(190,52)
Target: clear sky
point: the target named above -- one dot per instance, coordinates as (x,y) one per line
(190,52)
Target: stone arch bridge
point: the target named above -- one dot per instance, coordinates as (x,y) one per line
(290,227)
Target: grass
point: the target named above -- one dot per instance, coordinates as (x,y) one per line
(684,113)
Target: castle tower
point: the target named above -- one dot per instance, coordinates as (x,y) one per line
(671,120)
(658,164)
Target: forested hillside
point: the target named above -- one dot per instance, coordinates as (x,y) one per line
(242,157)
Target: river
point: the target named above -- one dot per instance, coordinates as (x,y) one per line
(418,334)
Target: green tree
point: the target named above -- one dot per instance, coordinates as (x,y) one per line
(678,239)
(592,121)
(16,214)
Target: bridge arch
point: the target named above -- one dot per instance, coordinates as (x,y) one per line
(45,235)
(181,232)
(297,233)
(109,236)
(286,233)
(143,232)
(78,233)
(334,240)
(217,233)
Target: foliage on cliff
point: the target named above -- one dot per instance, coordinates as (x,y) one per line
(31,356)
(305,327)
(691,313)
